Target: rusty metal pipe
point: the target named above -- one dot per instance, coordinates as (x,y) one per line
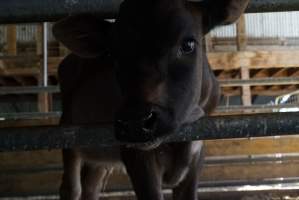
(20,11)
(244,126)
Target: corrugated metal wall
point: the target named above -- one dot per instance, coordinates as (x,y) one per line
(263,25)
(25,33)
(260,25)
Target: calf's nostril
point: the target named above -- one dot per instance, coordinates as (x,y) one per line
(121,125)
(150,121)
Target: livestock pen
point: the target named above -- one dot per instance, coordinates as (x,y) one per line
(253,68)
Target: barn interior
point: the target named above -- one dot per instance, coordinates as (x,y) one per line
(256,62)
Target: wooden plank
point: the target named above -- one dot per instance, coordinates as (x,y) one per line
(208,43)
(246,92)
(241,34)
(255,171)
(29,123)
(29,67)
(43,102)
(252,146)
(26,184)
(253,59)
(30,159)
(11,39)
(39,39)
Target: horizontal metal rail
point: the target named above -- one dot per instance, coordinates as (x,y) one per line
(221,109)
(17,11)
(255,158)
(29,115)
(28,90)
(260,82)
(223,127)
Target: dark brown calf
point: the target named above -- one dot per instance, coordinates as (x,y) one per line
(148,73)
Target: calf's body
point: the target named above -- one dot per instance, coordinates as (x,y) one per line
(148,73)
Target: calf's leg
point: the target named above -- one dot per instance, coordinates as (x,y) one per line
(94,178)
(71,188)
(187,189)
(144,173)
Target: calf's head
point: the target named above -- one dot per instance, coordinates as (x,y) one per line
(157,46)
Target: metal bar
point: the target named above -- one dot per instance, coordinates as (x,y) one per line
(17,11)
(260,81)
(32,115)
(221,109)
(28,90)
(45,54)
(256,6)
(256,158)
(223,127)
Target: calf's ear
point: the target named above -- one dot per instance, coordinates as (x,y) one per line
(220,12)
(85,35)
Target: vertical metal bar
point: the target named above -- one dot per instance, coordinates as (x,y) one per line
(45,54)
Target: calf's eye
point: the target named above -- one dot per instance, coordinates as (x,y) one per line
(187,47)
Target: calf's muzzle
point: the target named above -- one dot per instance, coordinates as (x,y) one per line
(141,128)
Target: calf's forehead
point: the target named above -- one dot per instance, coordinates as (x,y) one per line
(158,20)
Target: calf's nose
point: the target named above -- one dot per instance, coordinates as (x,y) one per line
(137,130)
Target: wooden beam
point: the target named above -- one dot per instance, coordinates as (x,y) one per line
(208,43)
(246,92)
(265,92)
(29,122)
(14,66)
(256,171)
(253,59)
(39,39)
(241,34)
(283,72)
(252,146)
(11,39)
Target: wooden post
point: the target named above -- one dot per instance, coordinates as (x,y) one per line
(209,43)
(241,46)
(241,34)
(246,92)
(39,40)
(11,39)
(43,98)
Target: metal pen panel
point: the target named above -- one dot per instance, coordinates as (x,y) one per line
(17,11)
